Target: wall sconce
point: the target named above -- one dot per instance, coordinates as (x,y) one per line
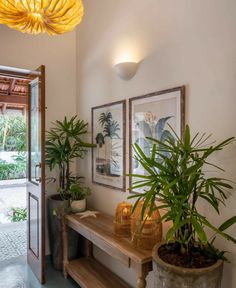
(126,70)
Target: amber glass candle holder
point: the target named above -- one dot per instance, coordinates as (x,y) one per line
(146,232)
(122,219)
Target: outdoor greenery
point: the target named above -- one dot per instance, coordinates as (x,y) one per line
(12,170)
(176,176)
(20,160)
(13,139)
(18,214)
(12,133)
(63,145)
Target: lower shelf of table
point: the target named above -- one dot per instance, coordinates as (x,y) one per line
(89,273)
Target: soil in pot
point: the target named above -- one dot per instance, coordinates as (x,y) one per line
(197,258)
(172,270)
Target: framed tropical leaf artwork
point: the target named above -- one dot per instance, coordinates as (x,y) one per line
(108,133)
(157,115)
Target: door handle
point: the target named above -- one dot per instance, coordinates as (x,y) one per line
(35,172)
(38,179)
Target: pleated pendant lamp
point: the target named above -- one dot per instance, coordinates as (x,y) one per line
(41,16)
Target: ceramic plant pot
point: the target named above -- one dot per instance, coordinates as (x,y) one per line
(78,205)
(170,276)
(55,233)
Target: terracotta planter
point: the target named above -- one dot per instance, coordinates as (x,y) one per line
(55,233)
(170,276)
(78,205)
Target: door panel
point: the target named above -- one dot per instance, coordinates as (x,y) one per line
(36,176)
(34,225)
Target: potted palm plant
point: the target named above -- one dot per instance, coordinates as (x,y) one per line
(175,174)
(64,144)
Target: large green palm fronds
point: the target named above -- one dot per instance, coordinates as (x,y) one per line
(64,143)
(176,175)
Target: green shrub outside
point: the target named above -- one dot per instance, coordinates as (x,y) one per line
(12,170)
(18,214)
(13,138)
(12,133)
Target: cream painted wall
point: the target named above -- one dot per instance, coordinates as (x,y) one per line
(58,54)
(183,42)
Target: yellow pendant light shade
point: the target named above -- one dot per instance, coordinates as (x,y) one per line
(40,16)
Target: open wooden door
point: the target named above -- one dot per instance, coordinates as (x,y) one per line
(36,176)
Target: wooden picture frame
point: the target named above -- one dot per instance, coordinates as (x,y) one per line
(109,134)
(148,116)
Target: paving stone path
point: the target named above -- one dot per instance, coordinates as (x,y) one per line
(11,195)
(13,242)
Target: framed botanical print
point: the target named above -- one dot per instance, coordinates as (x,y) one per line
(154,115)
(108,133)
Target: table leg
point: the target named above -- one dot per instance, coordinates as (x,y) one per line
(142,272)
(65,246)
(141,283)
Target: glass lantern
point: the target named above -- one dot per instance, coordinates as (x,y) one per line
(122,219)
(146,232)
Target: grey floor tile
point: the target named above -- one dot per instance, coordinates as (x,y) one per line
(15,273)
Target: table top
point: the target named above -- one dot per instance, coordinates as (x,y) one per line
(102,228)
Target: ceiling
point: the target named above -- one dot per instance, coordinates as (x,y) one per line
(13,94)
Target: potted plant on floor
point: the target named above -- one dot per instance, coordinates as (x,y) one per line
(64,144)
(175,174)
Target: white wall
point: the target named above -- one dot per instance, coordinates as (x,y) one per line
(58,54)
(182,42)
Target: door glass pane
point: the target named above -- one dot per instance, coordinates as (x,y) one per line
(35,141)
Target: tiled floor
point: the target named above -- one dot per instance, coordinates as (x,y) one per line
(13,240)
(12,194)
(15,273)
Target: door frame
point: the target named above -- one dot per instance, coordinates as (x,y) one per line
(18,73)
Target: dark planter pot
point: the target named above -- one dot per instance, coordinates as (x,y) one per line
(55,233)
(170,276)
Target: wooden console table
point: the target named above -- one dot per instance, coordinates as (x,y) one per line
(87,271)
